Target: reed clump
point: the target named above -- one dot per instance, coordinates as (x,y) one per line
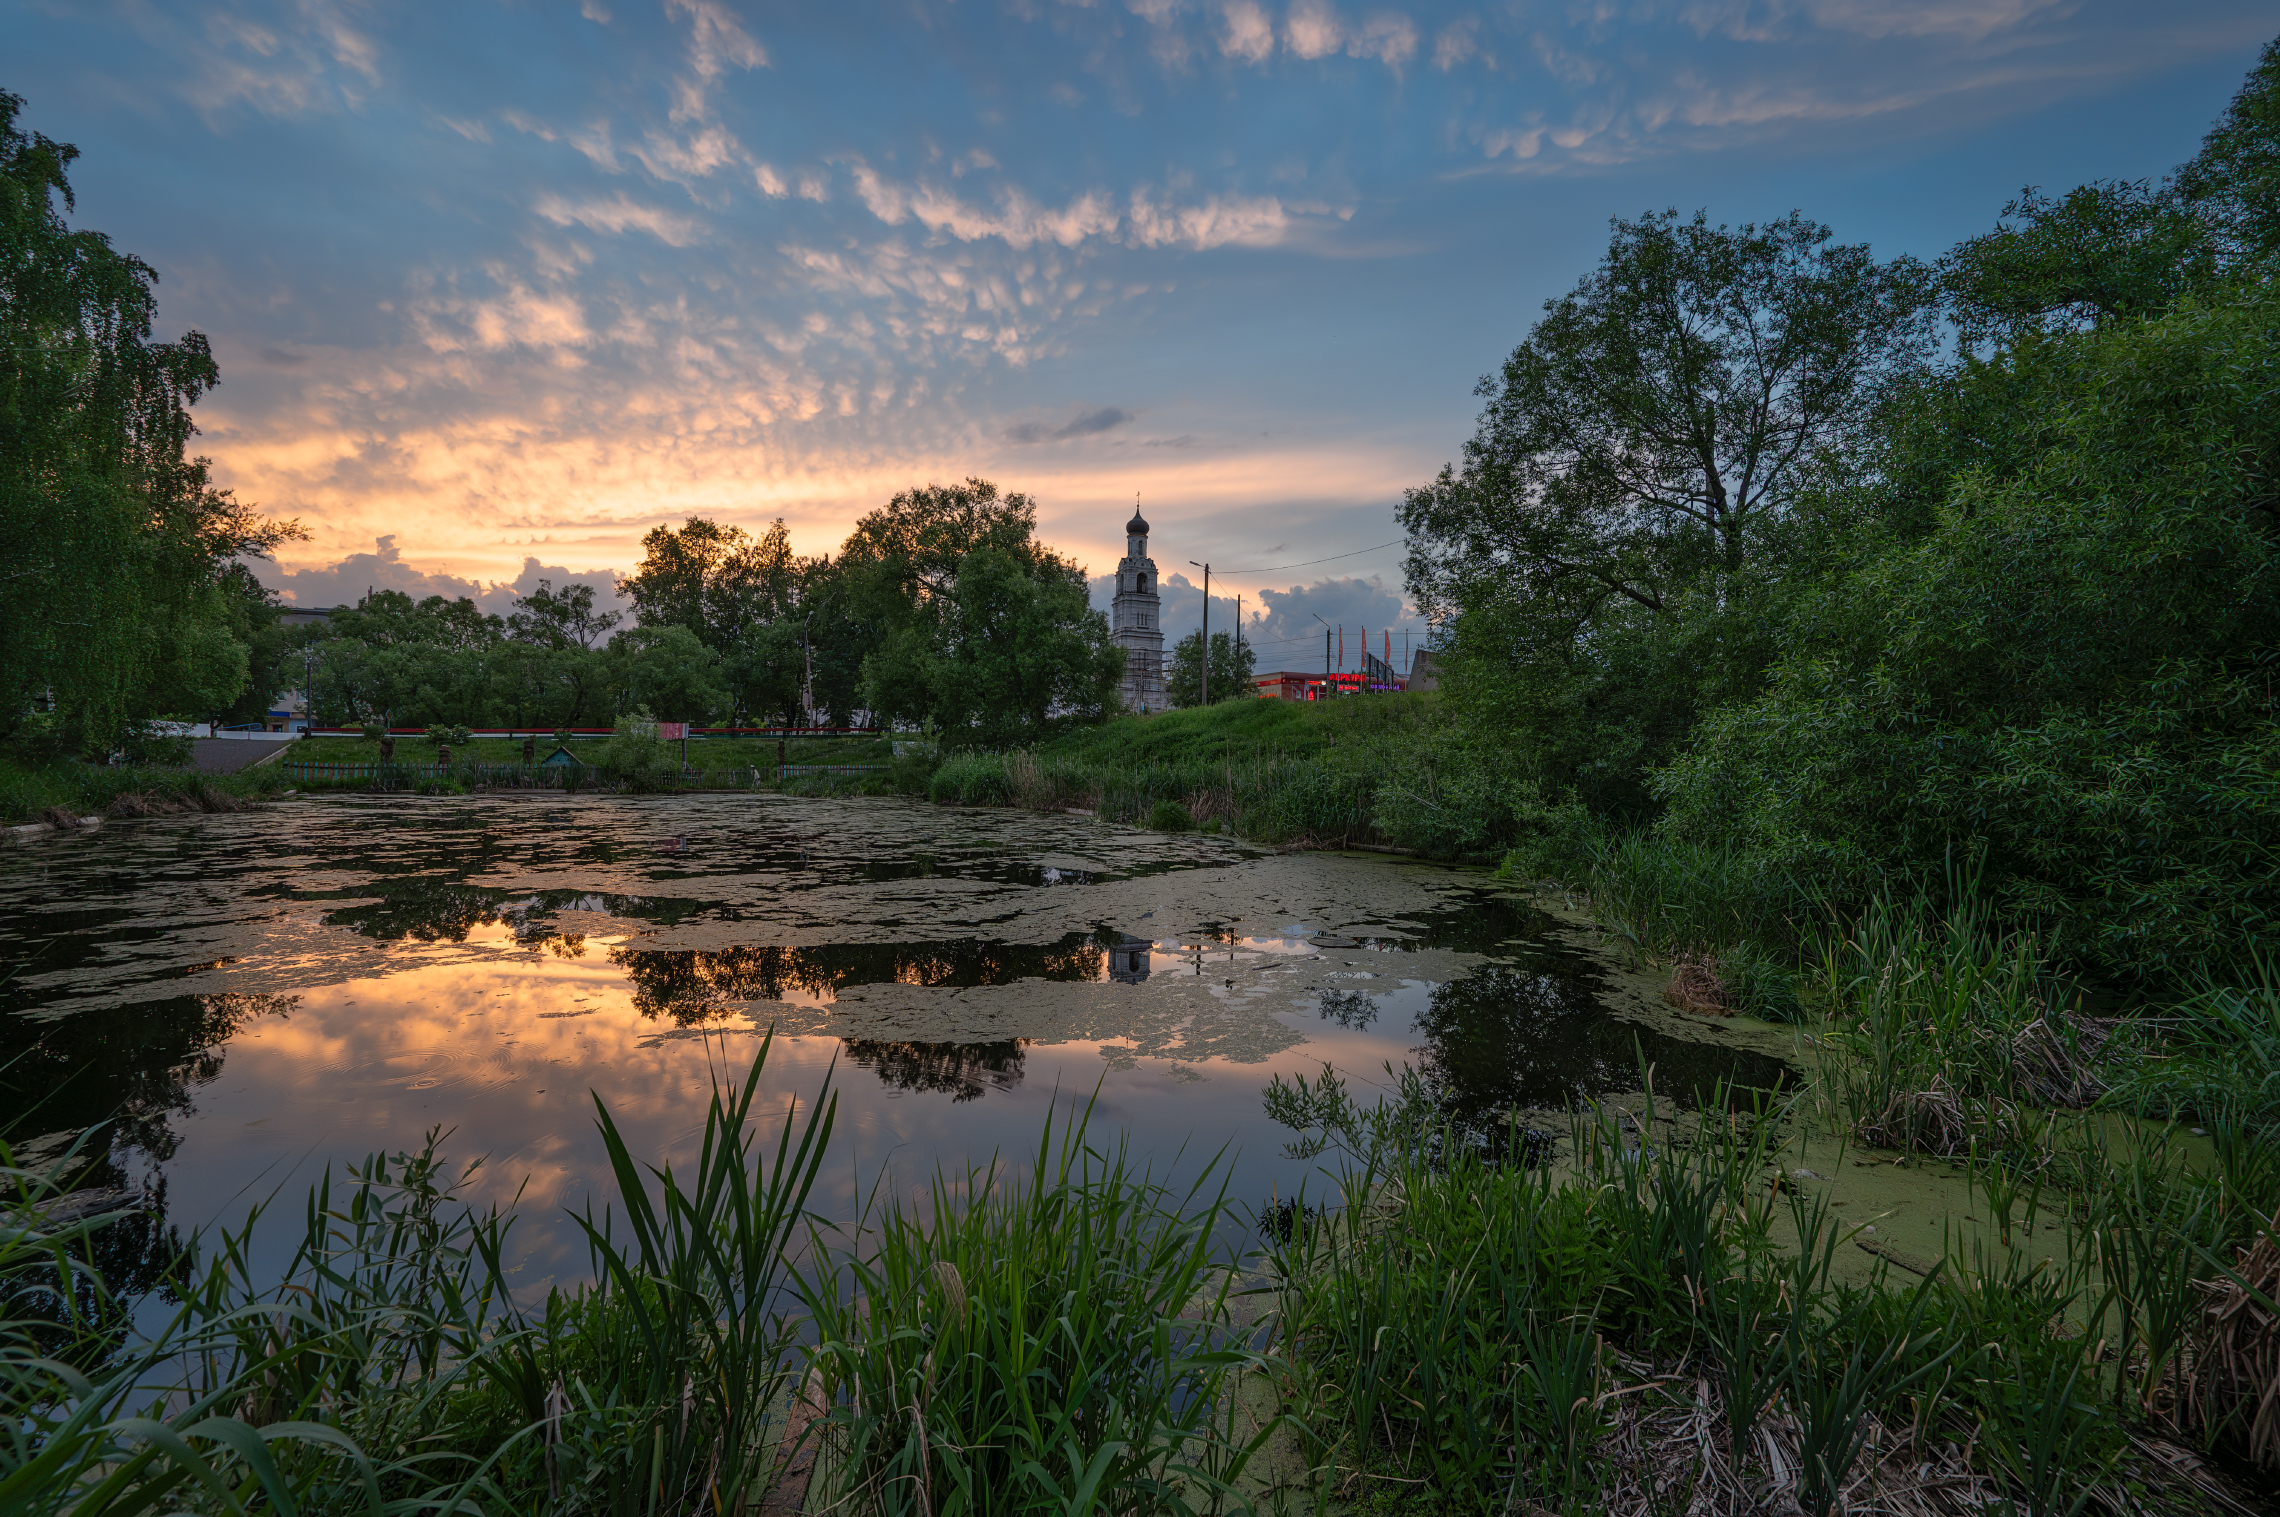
(1657,1323)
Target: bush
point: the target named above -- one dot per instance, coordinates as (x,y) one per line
(971,779)
(147,745)
(638,760)
(1170,816)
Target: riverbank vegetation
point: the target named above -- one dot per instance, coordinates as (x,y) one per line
(1654,1311)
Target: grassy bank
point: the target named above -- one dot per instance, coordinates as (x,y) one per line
(1661,1318)
(31,790)
(1278,772)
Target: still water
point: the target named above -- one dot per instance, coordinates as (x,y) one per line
(252,999)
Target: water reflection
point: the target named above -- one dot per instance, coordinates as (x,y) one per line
(690,987)
(432,909)
(1128,960)
(961,1071)
(137,1067)
(1506,1037)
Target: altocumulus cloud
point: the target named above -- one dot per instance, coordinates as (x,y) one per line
(1086,424)
(611,264)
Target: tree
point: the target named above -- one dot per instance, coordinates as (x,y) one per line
(112,542)
(667,672)
(967,620)
(1231,666)
(911,548)
(2068,679)
(716,581)
(548,618)
(2233,183)
(1633,468)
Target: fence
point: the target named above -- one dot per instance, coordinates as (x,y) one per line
(390,775)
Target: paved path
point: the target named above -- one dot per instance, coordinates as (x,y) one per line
(223,755)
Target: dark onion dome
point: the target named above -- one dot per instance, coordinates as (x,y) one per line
(1137,527)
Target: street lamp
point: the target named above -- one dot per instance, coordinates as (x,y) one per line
(1325,647)
(1205,650)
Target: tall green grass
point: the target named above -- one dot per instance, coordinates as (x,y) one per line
(389,1369)
(1656,1324)
(1049,1341)
(31,788)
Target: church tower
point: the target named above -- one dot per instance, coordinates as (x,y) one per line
(1136,621)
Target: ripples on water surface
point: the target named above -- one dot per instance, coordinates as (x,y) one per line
(254,997)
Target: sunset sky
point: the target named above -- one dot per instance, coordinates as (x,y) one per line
(496,287)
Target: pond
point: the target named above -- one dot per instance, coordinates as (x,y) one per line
(253,998)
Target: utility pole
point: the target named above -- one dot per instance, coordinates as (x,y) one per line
(1239,634)
(1325,652)
(1206,650)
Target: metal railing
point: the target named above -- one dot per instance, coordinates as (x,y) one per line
(390,774)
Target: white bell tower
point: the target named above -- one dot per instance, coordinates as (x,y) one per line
(1136,620)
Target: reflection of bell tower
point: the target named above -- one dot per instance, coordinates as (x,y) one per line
(1128,961)
(1136,620)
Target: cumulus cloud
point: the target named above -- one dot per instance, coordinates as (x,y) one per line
(1280,625)
(1246,32)
(1084,424)
(351,578)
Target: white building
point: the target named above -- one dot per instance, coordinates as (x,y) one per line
(1136,621)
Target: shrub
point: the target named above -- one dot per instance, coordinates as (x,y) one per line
(971,779)
(1170,816)
(146,744)
(638,760)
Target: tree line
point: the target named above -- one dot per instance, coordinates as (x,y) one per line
(1869,569)
(941,608)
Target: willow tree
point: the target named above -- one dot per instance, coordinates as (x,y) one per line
(114,544)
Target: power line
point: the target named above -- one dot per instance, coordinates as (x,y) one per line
(1310,563)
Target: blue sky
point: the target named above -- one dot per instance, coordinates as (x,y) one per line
(506,284)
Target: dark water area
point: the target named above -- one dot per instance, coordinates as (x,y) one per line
(250,1000)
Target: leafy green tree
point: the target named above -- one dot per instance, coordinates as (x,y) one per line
(2233,183)
(2072,678)
(1629,489)
(112,541)
(1231,667)
(400,662)
(668,671)
(965,618)
(560,619)
(1003,650)
(715,580)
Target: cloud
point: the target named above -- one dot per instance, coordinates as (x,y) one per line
(1247,34)
(350,579)
(1150,219)
(1457,42)
(619,213)
(1280,625)
(1085,424)
(1312,29)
